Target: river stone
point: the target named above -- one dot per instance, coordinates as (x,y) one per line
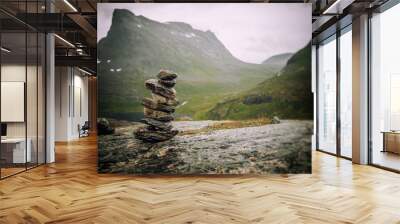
(166,75)
(157,115)
(275,120)
(167,83)
(157,124)
(166,118)
(104,127)
(154,113)
(153,136)
(155,87)
(164,100)
(149,103)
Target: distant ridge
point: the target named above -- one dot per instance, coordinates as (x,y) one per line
(136,48)
(279,60)
(287,95)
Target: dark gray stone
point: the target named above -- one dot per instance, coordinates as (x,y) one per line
(149,103)
(167,83)
(166,75)
(153,136)
(104,127)
(163,100)
(166,118)
(157,124)
(155,87)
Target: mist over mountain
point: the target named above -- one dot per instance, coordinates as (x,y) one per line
(286,95)
(279,60)
(136,48)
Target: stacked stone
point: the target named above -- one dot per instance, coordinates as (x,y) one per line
(158,111)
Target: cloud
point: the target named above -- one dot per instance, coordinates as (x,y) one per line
(251,31)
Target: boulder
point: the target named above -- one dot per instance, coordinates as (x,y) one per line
(276,120)
(104,127)
(166,75)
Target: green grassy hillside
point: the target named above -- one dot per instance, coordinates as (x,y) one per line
(286,95)
(136,48)
(279,60)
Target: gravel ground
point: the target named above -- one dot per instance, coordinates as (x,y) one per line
(273,148)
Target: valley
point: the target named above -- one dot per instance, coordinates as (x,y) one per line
(136,48)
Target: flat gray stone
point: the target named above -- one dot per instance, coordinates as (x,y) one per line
(154,136)
(151,104)
(167,83)
(157,88)
(167,118)
(166,75)
(159,125)
(163,100)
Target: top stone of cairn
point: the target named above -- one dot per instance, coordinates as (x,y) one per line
(166,75)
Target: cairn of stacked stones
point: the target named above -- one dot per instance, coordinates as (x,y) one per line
(158,110)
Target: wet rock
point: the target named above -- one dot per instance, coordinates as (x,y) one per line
(151,104)
(155,113)
(104,127)
(167,83)
(155,87)
(164,100)
(166,118)
(280,148)
(158,110)
(154,136)
(158,115)
(157,124)
(276,120)
(166,75)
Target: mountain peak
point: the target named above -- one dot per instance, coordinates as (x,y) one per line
(122,12)
(181,25)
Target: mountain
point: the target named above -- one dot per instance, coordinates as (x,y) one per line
(136,48)
(279,60)
(287,95)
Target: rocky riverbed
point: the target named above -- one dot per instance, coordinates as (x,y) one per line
(271,148)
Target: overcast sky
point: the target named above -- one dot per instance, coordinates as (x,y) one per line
(252,32)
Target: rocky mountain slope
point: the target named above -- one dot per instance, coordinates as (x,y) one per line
(136,48)
(286,95)
(279,61)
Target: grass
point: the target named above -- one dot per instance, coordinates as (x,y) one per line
(229,125)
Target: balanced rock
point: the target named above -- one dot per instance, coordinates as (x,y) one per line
(154,136)
(155,87)
(158,125)
(167,83)
(166,75)
(164,100)
(159,109)
(151,104)
(158,115)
